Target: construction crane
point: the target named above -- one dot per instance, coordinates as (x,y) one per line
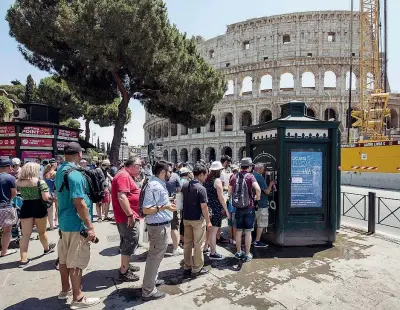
(372,111)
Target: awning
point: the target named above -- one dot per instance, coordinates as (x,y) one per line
(85,144)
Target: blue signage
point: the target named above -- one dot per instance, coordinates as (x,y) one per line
(306,179)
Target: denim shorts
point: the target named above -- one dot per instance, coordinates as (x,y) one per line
(232,220)
(245,219)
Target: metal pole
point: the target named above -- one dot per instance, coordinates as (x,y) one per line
(371,212)
(351,71)
(385,44)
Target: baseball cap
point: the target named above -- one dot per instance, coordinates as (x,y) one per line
(5,163)
(52,161)
(16,161)
(72,148)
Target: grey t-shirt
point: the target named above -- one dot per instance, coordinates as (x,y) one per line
(173,184)
(194,194)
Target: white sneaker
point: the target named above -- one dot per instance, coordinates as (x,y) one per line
(177,252)
(85,303)
(64,295)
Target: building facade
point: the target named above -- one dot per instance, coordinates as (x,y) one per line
(270,61)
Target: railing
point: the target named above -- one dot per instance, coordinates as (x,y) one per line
(381,210)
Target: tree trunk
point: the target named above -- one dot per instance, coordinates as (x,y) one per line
(120,122)
(87,130)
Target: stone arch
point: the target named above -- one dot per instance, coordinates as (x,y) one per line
(184,155)
(246,119)
(265,116)
(158,132)
(330,114)
(310,112)
(266,84)
(227,150)
(231,88)
(393,120)
(210,154)
(308,80)
(174,130)
(247,86)
(330,80)
(165,130)
(165,155)
(196,155)
(212,124)
(242,153)
(228,122)
(286,82)
(174,156)
(353,82)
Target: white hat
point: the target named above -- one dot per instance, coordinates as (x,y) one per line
(16,161)
(105,162)
(216,165)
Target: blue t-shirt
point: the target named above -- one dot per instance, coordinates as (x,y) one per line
(263,203)
(7,182)
(68,217)
(157,195)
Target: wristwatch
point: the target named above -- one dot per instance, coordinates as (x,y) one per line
(158,209)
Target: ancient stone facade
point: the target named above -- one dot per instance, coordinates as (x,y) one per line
(270,61)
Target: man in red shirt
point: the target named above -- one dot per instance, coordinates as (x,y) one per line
(125,199)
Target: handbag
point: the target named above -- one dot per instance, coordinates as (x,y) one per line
(8,217)
(47,203)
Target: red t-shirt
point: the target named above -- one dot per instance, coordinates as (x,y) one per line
(250,179)
(123,182)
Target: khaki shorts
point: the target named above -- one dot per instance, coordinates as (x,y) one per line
(73,250)
(262,217)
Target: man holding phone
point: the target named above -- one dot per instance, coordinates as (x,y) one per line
(125,200)
(159,214)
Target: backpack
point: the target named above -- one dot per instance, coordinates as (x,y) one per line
(141,196)
(241,196)
(95,179)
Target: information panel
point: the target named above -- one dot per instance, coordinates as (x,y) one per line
(306,176)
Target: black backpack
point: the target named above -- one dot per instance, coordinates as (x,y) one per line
(241,196)
(95,179)
(141,196)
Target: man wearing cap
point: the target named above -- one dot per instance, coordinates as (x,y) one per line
(16,167)
(105,204)
(75,213)
(245,216)
(8,216)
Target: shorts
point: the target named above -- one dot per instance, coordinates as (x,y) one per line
(175,221)
(129,237)
(107,196)
(262,218)
(33,209)
(216,217)
(232,220)
(245,219)
(73,250)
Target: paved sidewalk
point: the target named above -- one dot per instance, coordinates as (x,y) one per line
(359,272)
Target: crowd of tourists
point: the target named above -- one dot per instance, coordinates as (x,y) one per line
(186,203)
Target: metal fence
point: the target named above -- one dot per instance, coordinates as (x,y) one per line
(372,209)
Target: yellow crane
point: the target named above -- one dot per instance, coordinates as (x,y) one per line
(372,111)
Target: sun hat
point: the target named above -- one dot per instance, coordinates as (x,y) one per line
(246,162)
(216,165)
(184,170)
(106,162)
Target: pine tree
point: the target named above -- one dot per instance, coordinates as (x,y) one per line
(29,89)
(98,143)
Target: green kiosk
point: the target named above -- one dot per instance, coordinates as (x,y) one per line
(302,154)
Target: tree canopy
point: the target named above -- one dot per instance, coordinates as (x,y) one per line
(30,88)
(129,45)
(72,123)
(6,107)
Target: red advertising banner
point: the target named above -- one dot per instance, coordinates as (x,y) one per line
(7,143)
(61,144)
(32,155)
(36,142)
(8,153)
(65,134)
(37,131)
(7,131)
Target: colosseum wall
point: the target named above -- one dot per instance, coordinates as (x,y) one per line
(270,61)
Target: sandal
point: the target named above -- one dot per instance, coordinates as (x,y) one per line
(9,252)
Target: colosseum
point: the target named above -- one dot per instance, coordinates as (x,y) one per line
(270,61)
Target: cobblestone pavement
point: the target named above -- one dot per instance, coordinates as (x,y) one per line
(358,272)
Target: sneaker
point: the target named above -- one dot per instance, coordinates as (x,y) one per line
(177,252)
(216,256)
(133,268)
(259,244)
(239,255)
(248,257)
(128,276)
(202,272)
(157,295)
(160,282)
(24,264)
(206,251)
(85,303)
(64,295)
(99,220)
(52,247)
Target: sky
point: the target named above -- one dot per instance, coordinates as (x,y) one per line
(207,18)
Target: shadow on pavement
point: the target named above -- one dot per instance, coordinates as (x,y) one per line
(139,258)
(51,303)
(113,251)
(98,280)
(43,266)
(274,251)
(132,297)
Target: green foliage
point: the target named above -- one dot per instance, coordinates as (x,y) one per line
(6,107)
(15,92)
(106,115)
(16,82)
(30,89)
(71,123)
